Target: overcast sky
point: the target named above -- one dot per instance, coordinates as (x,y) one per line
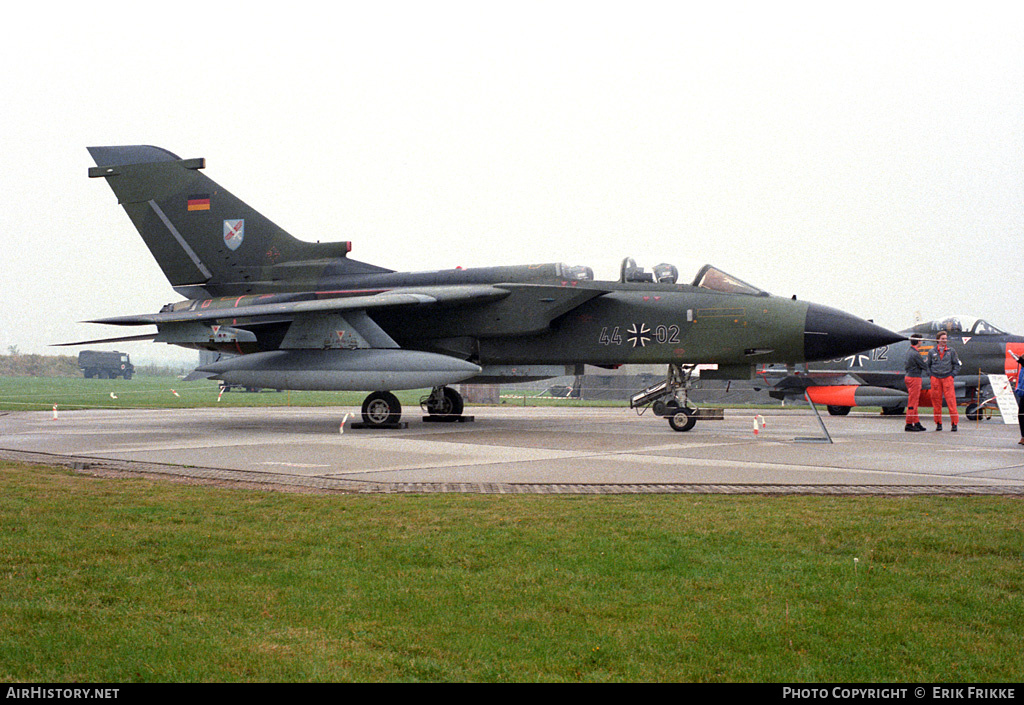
(868,157)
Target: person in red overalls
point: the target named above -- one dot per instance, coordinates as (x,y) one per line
(943,366)
(914,369)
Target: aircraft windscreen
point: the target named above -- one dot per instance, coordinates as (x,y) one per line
(716,280)
(981,327)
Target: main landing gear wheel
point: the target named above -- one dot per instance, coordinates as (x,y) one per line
(444,402)
(381,409)
(683,419)
(973,412)
(837,410)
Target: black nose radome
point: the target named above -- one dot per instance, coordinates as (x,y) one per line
(830,333)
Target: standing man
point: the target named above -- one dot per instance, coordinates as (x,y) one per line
(1019,393)
(943,366)
(915,368)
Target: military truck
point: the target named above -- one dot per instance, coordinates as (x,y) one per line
(105,365)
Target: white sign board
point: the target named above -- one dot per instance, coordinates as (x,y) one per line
(1004,397)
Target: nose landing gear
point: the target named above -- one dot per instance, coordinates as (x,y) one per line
(663,398)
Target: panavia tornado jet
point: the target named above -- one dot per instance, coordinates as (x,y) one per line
(303,315)
(875,377)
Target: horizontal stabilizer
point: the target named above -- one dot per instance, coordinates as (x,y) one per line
(197,375)
(123,339)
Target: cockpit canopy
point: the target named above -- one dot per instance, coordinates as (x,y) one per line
(707,278)
(957,324)
(715,279)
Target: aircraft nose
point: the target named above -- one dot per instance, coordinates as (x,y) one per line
(830,333)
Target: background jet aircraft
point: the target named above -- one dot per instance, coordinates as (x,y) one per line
(875,377)
(303,315)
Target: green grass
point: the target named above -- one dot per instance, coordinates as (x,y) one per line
(147,392)
(133,580)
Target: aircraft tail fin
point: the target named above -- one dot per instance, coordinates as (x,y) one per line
(207,241)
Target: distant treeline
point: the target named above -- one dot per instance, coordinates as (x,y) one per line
(39,366)
(18,365)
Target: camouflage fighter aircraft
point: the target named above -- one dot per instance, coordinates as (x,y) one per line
(303,315)
(875,377)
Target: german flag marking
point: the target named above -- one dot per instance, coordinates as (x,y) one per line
(199,202)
